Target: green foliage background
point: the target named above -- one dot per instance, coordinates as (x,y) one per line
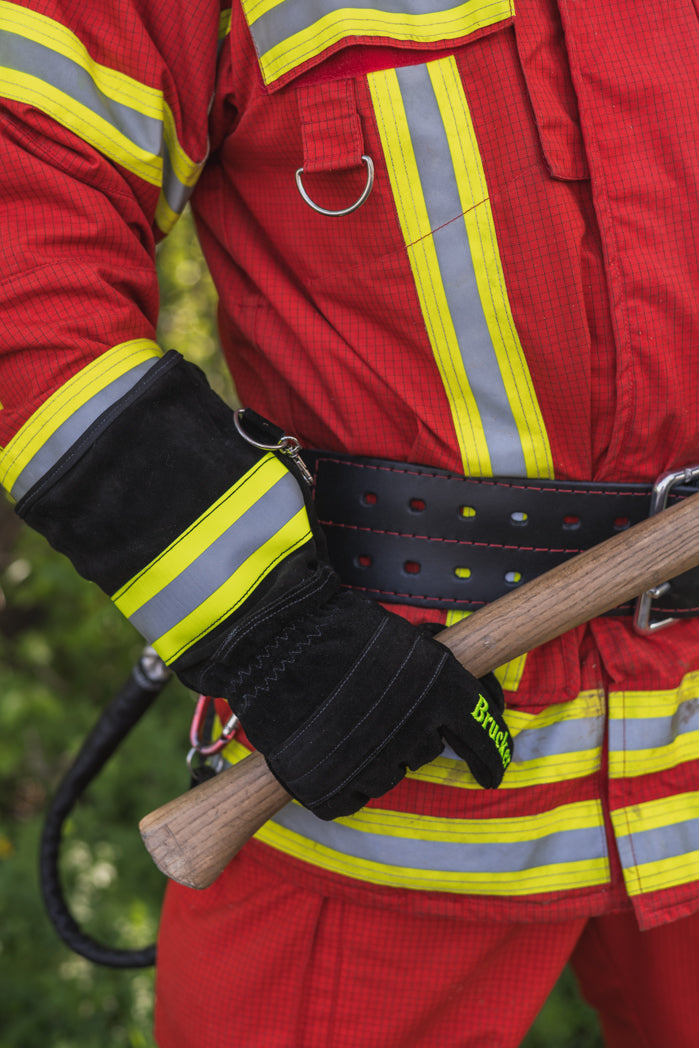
(64,652)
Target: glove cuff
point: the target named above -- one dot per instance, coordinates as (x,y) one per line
(187,526)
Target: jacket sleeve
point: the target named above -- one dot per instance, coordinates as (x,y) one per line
(120,455)
(103,134)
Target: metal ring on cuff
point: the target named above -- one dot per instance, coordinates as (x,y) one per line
(347,210)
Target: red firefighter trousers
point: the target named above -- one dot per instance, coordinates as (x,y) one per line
(255,961)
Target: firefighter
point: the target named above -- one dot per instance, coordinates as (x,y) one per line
(455,245)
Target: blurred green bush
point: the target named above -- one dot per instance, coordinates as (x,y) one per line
(64,652)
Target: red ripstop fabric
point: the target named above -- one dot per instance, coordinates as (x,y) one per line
(271,964)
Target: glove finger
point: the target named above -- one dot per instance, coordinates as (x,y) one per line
(489,684)
(388,766)
(490,687)
(481,737)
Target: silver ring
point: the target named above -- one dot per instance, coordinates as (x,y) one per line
(287,444)
(347,210)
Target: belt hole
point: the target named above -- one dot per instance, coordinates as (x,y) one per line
(571,523)
(513,578)
(462,573)
(621,523)
(411,567)
(467,511)
(417,505)
(370,498)
(363,560)
(519,517)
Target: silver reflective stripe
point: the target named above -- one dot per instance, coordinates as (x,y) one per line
(294,16)
(653,732)
(63,74)
(441,194)
(219,561)
(562,737)
(664,842)
(63,439)
(562,847)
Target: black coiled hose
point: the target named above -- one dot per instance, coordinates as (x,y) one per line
(139,692)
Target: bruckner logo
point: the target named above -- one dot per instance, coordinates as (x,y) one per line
(499,737)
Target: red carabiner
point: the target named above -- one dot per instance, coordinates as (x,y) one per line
(227,732)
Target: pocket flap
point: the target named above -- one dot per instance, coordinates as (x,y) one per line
(292,36)
(544,59)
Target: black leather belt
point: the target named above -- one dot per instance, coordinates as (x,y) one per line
(417,535)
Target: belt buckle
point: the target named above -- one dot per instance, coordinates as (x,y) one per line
(658,501)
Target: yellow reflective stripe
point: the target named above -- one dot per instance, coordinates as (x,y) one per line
(639,705)
(99,131)
(510,673)
(572,756)
(123,89)
(556,877)
(181,553)
(85,123)
(661,812)
(663,873)
(210,569)
(254,9)
(580,815)
(636,716)
(186,169)
(652,818)
(224,24)
(662,758)
(57,37)
(416,229)
(165,217)
(441,199)
(473,190)
(347,21)
(541,771)
(234,591)
(66,401)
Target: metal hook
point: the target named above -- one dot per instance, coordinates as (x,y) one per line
(347,210)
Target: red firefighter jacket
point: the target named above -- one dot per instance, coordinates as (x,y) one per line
(518,295)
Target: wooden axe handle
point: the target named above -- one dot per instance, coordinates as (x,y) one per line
(193,837)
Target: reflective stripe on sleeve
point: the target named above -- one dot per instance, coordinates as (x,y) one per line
(212,567)
(441,197)
(43,64)
(62,419)
(287,33)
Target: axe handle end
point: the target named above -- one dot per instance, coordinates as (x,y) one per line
(184,836)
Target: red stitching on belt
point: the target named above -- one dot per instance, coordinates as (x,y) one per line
(454,542)
(417,596)
(484,481)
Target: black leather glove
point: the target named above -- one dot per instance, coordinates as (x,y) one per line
(344,699)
